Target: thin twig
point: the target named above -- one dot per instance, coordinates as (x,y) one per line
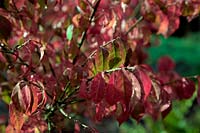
(134,25)
(121,68)
(90,20)
(65,90)
(74,120)
(85,32)
(89,3)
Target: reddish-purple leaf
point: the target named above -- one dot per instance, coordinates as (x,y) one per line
(123,90)
(97,88)
(184,88)
(145,81)
(164,26)
(132,89)
(165,63)
(100,111)
(94,90)
(22,97)
(83,89)
(19,3)
(41,95)
(25,98)
(35,101)
(17,118)
(115,92)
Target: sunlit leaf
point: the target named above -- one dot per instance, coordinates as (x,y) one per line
(145,81)
(117,54)
(114,62)
(24,95)
(17,118)
(69,32)
(101,60)
(163,28)
(19,3)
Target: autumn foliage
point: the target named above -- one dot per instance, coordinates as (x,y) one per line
(86,57)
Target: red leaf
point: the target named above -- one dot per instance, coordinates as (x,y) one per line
(136,91)
(103,109)
(184,88)
(97,88)
(35,99)
(164,25)
(110,92)
(19,3)
(100,111)
(145,81)
(165,63)
(41,94)
(25,98)
(114,90)
(123,90)
(17,118)
(83,89)
(127,87)
(21,97)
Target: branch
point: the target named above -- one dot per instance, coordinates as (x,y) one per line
(134,25)
(90,20)
(74,120)
(121,68)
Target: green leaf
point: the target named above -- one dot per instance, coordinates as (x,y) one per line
(101,59)
(114,62)
(69,32)
(108,57)
(117,55)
